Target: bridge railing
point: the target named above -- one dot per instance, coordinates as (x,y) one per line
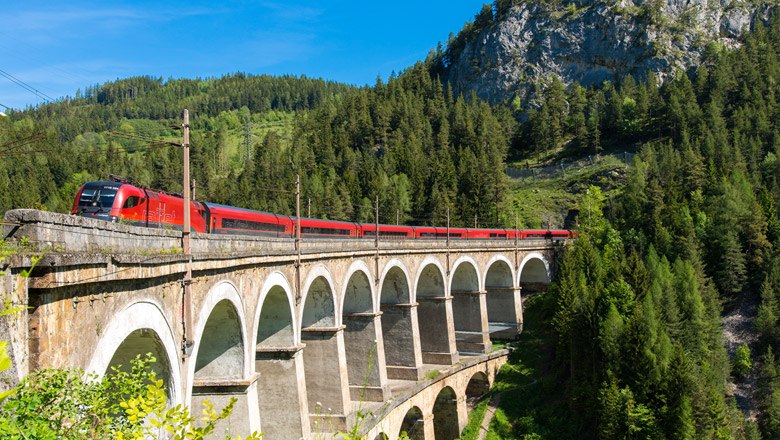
(53,232)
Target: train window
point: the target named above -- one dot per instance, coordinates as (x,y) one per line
(495,235)
(386,233)
(232,223)
(101,198)
(393,233)
(324,231)
(131,202)
(440,235)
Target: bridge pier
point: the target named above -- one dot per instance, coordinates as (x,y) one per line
(505,309)
(245,417)
(281,392)
(472,334)
(401,336)
(366,358)
(327,382)
(437,332)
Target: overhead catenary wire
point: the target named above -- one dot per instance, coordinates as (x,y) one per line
(26,86)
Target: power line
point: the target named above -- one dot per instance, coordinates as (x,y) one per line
(26,86)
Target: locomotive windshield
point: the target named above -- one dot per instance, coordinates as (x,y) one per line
(97,197)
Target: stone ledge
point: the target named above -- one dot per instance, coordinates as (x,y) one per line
(433,299)
(362,315)
(468,292)
(222,386)
(275,353)
(320,330)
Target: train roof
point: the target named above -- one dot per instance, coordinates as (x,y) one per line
(103,184)
(235,208)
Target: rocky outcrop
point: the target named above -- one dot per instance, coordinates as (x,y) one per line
(591,41)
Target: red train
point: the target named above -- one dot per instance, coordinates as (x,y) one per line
(119,201)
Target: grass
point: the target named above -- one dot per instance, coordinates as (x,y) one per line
(433,374)
(542,200)
(471,431)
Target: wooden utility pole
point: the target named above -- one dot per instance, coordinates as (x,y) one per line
(298,213)
(297,238)
(186,184)
(448,241)
(185,242)
(376,241)
(376,231)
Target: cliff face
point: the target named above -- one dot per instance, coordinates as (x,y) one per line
(591,41)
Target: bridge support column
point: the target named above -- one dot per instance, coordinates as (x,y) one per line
(437,331)
(327,383)
(472,334)
(505,311)
(401,336)
(428,428)
(366,357)
(281,392)
(245,417)
(463,413)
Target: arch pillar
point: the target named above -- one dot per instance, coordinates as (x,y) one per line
(505,311)
(429,433)
(325,364)
(472,332)
(363,340)
(245,416)
(437,340)
(463,412)
(401,335)
(282,392)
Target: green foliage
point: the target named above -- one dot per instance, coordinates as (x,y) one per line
(124,404)
(743,364)
(433,374)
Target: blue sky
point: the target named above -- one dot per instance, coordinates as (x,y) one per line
(57,47)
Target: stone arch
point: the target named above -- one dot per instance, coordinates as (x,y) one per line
(465,275)
(468,308)
(509,266)
(358,295)
(394,284)
(319,300)
(413,424)
(445,415)
(478,386)
(429,281)
(324,363)
(138,329)
(534,272)
(219,350)
(400,334)
(281,398)
(504,306)
(362,336)
(275,322)
(381,436)
(436,327)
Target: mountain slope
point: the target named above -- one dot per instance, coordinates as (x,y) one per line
(514,45)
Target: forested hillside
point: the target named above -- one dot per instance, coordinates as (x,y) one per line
(408,142)
(635,313)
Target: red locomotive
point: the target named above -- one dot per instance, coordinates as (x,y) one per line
(120,201)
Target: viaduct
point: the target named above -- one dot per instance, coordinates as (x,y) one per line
(305,339)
